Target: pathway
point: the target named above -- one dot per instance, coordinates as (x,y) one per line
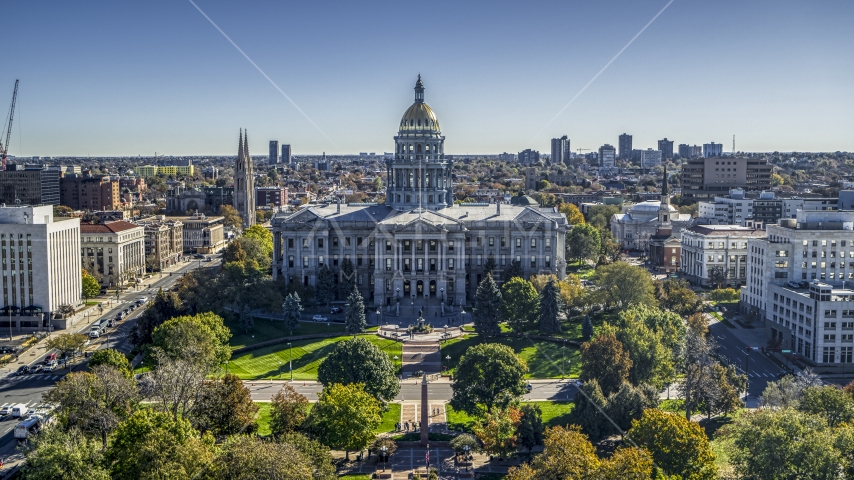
(421,356)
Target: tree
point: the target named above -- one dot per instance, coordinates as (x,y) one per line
(62,211)
(263,236)
(345,417)
(549,309)
(589,410)
(629,402)
(520,303)
(829,402)
(724,295)
(487,307)
(67,343)
(567,454)
(325,289)
(291,311)
(497,430)
(622,285)
(113,358)
(788,391)
(354,313)
(612,250)
(358,361)
(675,295)
(677,445)
(573,214)
(246,457)
(463,440)
(174,383)
(488,375)
(583,243)
(164,306)
(347,281)
(317,454)
(55,454)
(515,270)
(697,364)
(586,328)
(489,265)
(717,275)
(232,219)
(91,288)
(605,360)
(153,445)
(288,412)
(669,325)
(202,338)
(652,360)
(530,430)
(225,407)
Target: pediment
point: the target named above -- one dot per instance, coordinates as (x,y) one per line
(419,225)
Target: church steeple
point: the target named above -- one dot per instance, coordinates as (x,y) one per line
(419,90)
(664,209)
(243,197)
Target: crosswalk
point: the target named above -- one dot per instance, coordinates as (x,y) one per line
(39,376)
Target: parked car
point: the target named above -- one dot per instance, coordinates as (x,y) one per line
(23,370)
(8,349)
(6,409)
(319,318)
(95,333)
(337,310)
(37,368)
(51,357)
(51,366)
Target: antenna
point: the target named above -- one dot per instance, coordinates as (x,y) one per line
(733,145)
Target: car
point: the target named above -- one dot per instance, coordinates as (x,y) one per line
(337,310)
(198,255)
(30,412)
(529,387)
(95,333)
(51,357)
(23,369)
(6,409)
(142,299)
(319,318)
(36,369)
(208,259)
(110,322)
(51,367)
(8,349)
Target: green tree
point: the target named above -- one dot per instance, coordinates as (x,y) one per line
(697,366)
(164,306)
(586,328)
(288,411)
(488,375)
(513,271)
(67,343)
(358,361)
(652,361)
(245,457)
(724,295)
(291,311)
(202,338)
(317,454)
(669,325)
(678,446)
(325,288)
(675,295)
(549,323)
(583,242)
(345,417)
(487,307)
(605,360)
(489,265)
(829,402)
(55,454)
(224,407)
(520,304)
(589,410)
(622,285)
(113,358)
(354,313)
(497,430)
(717,275)
(629,402)
(459,443)
(531,429)
(722,392)
(347,281)
(152,445)
(91,288)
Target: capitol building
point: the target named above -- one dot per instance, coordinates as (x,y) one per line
(418,250)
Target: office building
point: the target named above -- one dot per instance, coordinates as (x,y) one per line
(201,233)
(713,149)
(168,170)
(625,145)
(607,156)
(560,150)
(507,157)
(666,147)
(164,242)
(650,158)
(90,192)
(707,249)
(418,250)
(528,157)
(710,177)
(244,183)
(732,210)
(271,196)
(790,206)
(113,252)
(286,158)
(43,266)
(29,185)
(274,152)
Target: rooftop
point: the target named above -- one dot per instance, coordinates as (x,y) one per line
(109,227)
(726,230)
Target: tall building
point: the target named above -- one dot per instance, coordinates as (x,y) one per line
(625,145)
(286,154)
(607,156)
(650,158)
(684,150)
(418,251)
(507,157)
(90,192)
(560,150)
(174,170)
(666,147)
(528,157)
(113,252)
(43,265)
(164,243)
(244,183)
(708,177)
(274,152)
(713,149)
(29,185)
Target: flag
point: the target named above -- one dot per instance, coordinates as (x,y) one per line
(428,457)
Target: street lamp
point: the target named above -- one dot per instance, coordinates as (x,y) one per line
(384,449)
(226,367)
(291,361)
(466,449)
(463,318)
(379,313)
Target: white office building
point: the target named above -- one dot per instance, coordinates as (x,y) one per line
(731,210)
(650,158)
(113,252)
(706,248)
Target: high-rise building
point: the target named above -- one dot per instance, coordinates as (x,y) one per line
(29,185)
(507,157)
(286,154)
(625,145)
(684,150)
(274,152)
(710,177)
(560,150)
(607,155)
(666,147)
(713,149)
(90,192)
(528,157)
(650,158)
(244,183)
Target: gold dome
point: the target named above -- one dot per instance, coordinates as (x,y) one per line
(419,117)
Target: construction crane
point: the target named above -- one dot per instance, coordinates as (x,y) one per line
(5,143)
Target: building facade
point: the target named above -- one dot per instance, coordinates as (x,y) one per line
(666,148)
(201,233)
(560,150)
(625,144)
(271,196)
(607,156)
(528,157)
(274,152)
(650,158)
(286,158)
(113,252)
(638,223)
(164,243)
(154,170)
(244,183)
(29,185)
(713,149)
(707,249)
(418,251)
(710,177)
(90,192)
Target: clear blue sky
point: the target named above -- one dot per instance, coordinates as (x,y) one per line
(137,77)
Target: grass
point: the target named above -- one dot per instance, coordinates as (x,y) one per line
(390,417)
(554,414)
(266,329)
(544,359)
(272,362)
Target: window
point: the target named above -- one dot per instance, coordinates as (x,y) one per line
(518,243)
(491,241)
(533,261)
(479,260)
(846,354)
(829,337)
(358,241)
(419,264)
(319,243)
(533,243)
(359,260)
(290,243)
(407,266)
(450,264)
(387,246)
(387,264)
(450,245)
(478,241)
(548,261)
(828,355)
(304,243)
(503,241)
(548,242)
(290,261)
(830,325)
(320,261)
(334,241)
(346,241)
(503,260)
(304,262)
(335,260)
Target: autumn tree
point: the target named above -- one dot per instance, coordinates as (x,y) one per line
(288,411)
(225,407)
(675,295)
(573,214)
(232,218)
(605,360)
(497,430)
(677,445)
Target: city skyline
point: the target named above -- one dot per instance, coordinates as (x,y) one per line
(132,79)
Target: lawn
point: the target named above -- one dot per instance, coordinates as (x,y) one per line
(554,414)
(266,329)
(544,359)
(272,362)
(390,417)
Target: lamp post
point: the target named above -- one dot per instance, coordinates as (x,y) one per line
(379,316)
(226,367)
(466,449)
(462,318)
(291,361)
(448,361)
(384,449)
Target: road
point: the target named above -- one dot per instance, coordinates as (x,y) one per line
(732,349)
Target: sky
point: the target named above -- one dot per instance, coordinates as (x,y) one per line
(137,77)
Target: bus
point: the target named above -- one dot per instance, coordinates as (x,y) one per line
(30,426)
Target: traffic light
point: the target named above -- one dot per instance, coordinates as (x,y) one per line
(763,349)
